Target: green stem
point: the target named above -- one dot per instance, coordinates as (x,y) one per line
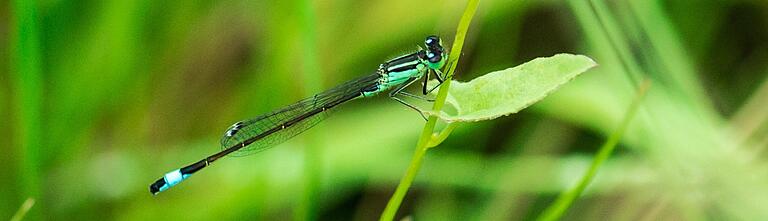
(426,134)
(418,157)
(557,209)
(439,138)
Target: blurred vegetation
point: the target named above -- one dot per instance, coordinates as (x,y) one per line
(99,98)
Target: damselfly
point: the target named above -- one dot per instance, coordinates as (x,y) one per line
(270,129)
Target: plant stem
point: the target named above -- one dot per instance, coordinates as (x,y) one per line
(557,209)
(426,134)
(439,138)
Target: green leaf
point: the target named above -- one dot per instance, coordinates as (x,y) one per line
(508,91)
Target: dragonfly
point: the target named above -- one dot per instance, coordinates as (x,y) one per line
(265,131)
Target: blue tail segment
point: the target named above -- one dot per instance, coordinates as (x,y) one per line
(175,177)
(169,180)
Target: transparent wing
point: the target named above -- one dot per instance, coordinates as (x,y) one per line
(290,121)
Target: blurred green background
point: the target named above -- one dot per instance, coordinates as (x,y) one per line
(100,98)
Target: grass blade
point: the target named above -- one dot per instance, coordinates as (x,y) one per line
(25,207)
(28,87)
(556,210)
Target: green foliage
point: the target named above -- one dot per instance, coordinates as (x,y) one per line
(98,98)
(508,91)
(499,94)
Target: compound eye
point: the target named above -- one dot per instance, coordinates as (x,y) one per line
(432,41)
(434,58)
